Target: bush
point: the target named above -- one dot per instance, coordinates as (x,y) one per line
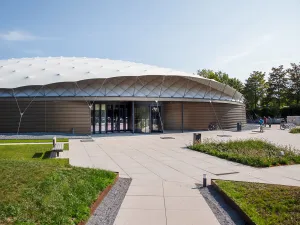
(295,130)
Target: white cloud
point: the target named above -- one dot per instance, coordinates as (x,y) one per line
(16,35)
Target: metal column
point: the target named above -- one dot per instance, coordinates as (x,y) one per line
(182,114)
(132,117)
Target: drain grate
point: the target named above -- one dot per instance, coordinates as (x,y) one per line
(86,140)
(224,135)
(167,138)
(220,174)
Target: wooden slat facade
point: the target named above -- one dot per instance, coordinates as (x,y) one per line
(63,116)
(45,116)
(197,116)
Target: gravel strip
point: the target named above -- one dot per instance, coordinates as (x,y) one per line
(223,212)
(107,211)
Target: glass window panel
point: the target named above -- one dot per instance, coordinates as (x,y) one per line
(103,118)
(92,120)
(97,114)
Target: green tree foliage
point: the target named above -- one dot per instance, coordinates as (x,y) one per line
(222,78)
(254,89)
(294,83)
(277,85)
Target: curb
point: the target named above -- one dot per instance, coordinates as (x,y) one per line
(232,203)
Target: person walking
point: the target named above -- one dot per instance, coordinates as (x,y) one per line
(265,121)
(261,123)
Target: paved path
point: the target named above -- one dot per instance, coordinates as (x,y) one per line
(165,174)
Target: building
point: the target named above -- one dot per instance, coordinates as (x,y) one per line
(89,95)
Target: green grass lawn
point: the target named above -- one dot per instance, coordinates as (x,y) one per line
(35,189)
(257,153)
(265,204)
(30,153)
(33,140)
(295,130)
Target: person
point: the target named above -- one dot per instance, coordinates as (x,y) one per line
(269,121)
(265,121)
(261,123)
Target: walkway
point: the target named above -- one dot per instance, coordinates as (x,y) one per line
(166,175)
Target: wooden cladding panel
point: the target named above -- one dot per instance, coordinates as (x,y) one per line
(50,116)
(172,116)
(197,116)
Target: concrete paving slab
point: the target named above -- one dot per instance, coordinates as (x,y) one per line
(145,190)
(176,189)
(140,217)
(146,182)
(143,202)
(185,203)
(191,217)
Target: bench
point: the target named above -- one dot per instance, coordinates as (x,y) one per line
(57,147)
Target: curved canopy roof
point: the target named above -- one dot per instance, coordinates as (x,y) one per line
(15,73)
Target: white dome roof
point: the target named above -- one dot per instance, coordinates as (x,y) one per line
(42,71)
(29,72)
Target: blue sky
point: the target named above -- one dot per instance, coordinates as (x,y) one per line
(234,36)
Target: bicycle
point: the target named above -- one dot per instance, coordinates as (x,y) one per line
(213,126)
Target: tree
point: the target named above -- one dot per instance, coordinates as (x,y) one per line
(277,85)
(254,89)
(222,78)
(210,74)
(236,84)
(294,82)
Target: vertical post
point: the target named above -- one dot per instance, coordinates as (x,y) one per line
(112,124)
(150,119)
(132,117)
(182,114)
(93,119)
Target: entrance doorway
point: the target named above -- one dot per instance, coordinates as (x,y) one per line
(142,117)
(110,117)
(156,124)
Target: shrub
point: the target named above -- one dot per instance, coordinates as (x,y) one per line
(295,130)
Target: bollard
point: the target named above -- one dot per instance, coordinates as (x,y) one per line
(197,138)
(239,126)
(54,141)
(204,180)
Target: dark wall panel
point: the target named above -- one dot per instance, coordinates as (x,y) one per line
(197,116)
(172,113)
(41,116)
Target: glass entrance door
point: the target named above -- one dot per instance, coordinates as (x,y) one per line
(155,119)
(109,118)
(141,116)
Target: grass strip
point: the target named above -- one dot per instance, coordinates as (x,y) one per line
(265,204)
(28,152)
(257,153)
(33,140)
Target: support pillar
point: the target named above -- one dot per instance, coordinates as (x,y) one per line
(182,115)
(132,116)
